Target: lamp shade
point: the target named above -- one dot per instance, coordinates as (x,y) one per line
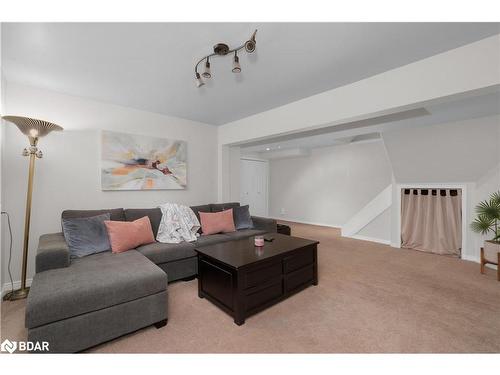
(33,127)
(236,64)
(207,73)
(198,80)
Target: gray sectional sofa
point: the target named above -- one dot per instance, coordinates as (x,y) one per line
(78,303)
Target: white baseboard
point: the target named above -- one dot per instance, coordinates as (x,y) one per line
(371,239)
(463,257)
(471,258)
(300,221)
(356,236)
(7,287)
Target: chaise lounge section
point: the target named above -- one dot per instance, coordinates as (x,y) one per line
(96,299)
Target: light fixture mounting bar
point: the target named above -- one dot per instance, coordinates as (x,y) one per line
(222,49)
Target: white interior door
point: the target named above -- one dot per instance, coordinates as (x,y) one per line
(253,185)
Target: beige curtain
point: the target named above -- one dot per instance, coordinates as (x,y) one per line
(431,220)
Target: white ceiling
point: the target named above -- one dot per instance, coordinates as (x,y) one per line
(150,66)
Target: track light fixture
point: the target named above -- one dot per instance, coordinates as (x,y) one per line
(199,81)
(222,49)
(236,63)
(207,74)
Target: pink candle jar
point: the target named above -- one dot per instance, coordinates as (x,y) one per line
(259,241)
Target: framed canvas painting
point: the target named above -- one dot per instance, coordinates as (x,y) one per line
(138,162)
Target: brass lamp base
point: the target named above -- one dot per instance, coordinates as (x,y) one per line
(16,294)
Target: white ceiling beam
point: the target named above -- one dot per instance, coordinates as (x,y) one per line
(285,154)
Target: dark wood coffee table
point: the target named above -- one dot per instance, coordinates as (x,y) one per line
(243,279)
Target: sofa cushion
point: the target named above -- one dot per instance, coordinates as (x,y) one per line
(116,213)
(154,215)
(217,222)
(242,218)
(91,283)
(86,235)
(52,252)
(243,233)
(198,209)
(159,252)
(263,223)
(211,239)
(217,207)
(127,235)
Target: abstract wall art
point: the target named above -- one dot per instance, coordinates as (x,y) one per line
(138,162)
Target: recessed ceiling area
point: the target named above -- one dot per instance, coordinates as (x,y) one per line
(150,66)
(369,130)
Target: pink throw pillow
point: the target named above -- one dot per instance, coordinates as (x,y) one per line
(127,235)
(217,222)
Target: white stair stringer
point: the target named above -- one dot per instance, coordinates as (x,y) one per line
(368,213)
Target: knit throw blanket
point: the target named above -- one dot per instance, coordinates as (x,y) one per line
(178,224)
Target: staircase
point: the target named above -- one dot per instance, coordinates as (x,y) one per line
(368,213)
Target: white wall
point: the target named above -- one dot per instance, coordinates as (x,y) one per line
(329,186)
(234,169)
(461,152)
(68,175)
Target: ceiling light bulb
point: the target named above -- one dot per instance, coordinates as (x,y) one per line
(198,80)
(268,149)
(236,64)
(207,73)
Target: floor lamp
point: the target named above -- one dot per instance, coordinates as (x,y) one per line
(34,129)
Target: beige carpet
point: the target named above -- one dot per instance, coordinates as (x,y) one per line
(370,298)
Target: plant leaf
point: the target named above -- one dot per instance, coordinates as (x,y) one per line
(488,209)
(482,224)
(495,198)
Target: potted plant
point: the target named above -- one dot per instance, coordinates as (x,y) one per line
(488,220)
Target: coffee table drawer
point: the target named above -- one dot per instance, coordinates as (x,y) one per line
(261,274)
(257,299)
(298,278)
(298,260)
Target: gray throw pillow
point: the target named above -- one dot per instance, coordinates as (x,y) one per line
(242,218)
(86,236)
